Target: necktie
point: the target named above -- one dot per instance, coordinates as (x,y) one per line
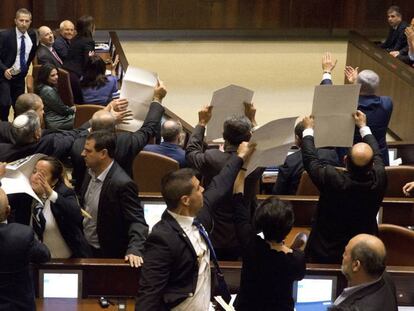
(224,290)
(56,56)
(39,221)
(22,54)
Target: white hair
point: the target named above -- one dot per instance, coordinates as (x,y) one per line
(369,81)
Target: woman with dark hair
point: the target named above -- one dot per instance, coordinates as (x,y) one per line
(269,266)
(98,88)
(81,47)
(57,114)
(58,220)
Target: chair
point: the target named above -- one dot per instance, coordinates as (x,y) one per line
(65,88)
(149,168)
(397,177)
(84,113)
(306,186)
(399,243)
(31,79)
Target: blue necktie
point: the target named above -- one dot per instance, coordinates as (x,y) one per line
(22,54)
(224,290)
(38,220)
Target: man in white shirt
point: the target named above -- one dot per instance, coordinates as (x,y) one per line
(176,273)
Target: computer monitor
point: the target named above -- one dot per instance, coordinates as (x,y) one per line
(60,283)
(153,212)
(314,292)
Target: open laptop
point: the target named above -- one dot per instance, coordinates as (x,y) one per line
(60,283)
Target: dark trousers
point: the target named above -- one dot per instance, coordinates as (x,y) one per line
(9,91)
(96,252)
(76,87)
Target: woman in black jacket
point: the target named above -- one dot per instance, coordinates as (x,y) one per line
(58,221)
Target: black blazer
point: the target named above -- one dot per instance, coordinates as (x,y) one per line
(396,39)
(67,214)
(290,172)
(170,272)
(121,225)
(61,46)
(18,248)
(378,296)
(78,54)
(44,56)
(128,145)
(348,204)
(8,50)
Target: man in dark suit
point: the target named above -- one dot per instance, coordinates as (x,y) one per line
(396,39)
(46,54)
(17,49)
(116,227)
(370,288)
(128,144)
(349,200)
(170,147)
(378,109)
(290,172)
(18,248)
(62,42)
(176,272)
(210,162)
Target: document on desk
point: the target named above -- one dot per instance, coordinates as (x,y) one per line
(273,141)
(17,177)
(226,102)
(138,87)
(332,108)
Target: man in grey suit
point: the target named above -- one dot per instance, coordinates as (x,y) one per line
(46,54)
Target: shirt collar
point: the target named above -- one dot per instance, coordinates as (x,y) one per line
(19,33)
(183,221)
(101,176)
(48,47)
(349,290)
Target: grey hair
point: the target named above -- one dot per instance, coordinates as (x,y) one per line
(24,127)
(369,81)
(170,130)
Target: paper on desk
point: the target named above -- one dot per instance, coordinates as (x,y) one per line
(17,177)
(226,102)
(138,87)
(273,140)
(333,106)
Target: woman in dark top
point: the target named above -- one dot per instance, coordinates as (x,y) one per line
(62,231)
(57,114)
(269,267)
(81,47)
(97,87)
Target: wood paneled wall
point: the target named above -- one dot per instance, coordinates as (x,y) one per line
(258,15)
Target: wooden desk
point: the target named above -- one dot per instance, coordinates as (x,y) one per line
(68,304)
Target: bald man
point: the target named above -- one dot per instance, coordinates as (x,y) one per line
(18,248)
(45,53)
(62,43)
(370,288)
(349,200)
(170,147)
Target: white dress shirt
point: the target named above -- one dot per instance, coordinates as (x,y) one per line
(28,43)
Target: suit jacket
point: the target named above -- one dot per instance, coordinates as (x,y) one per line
(209,163)
(53,143)
(78,54)
(128,145)
(61,46)
(165,283)
(173,151)
(378,296)
(67,214)
(291,171)
(18,248)
(8,50)
(378,110)
(348,203)
(121,225)
(396,39)
(44,56)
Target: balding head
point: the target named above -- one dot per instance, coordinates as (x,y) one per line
(29,101)
(170,131)
(46,36)
(360,159)
(4,206)
(67,29)
(368,253)
(103,120)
